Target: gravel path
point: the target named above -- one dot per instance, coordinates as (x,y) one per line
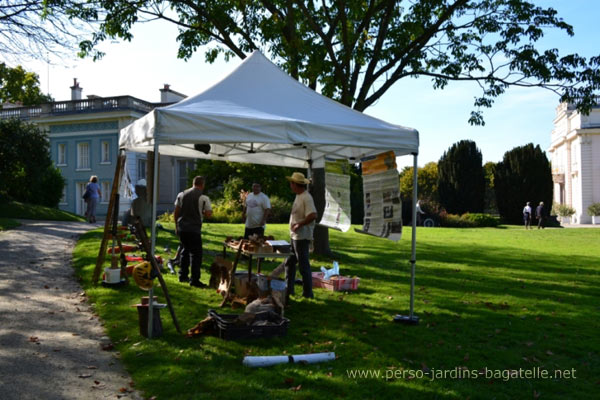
(50,341)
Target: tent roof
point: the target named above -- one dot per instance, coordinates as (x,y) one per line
(259,114)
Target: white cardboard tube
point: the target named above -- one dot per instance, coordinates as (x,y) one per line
(267,361)
(314,358)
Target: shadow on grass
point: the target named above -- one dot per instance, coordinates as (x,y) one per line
(490,308)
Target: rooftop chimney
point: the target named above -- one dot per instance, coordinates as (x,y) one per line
(168,95)
(76,90)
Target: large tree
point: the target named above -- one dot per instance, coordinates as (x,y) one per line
(27,173)
(427,181)
(490,205)
(37,29)
(523,175)
(461,180)
(20,87)
(354,51)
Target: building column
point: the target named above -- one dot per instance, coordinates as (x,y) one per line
(568,177)
(586,176)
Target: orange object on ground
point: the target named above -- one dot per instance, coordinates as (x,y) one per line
(126,248)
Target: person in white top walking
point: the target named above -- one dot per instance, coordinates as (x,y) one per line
(527,216)
(257,208)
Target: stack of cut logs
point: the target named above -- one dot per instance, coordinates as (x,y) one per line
(254,244)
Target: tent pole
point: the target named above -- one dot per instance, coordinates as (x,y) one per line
(309,169)
(154,195)
(153,230)
(411,318)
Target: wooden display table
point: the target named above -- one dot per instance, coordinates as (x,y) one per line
(252,255)
(238,248)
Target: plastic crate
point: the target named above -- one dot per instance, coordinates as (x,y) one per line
(335,283)
(229,329)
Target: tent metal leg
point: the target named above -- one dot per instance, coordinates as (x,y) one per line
(153,230)
(411,318)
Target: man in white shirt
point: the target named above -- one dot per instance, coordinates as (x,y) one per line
(527,216)
(257,208)
(302,224)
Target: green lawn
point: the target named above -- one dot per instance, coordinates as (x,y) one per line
(8,223)
(504,299)
(15,209)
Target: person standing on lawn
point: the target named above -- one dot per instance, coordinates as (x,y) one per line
(302,225)
(527,216)
(257,208)
(93,193)
(191,206)
(539,214)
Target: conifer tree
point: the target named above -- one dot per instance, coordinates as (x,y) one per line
(461,181)
(523,175)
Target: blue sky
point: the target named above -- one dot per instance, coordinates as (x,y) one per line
(519,117)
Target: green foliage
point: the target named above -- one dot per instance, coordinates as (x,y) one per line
(427,182)
(461,181)
(20,87)
(166,217)
(227,211)
(280,210)
(8,223)
(26,170)
(48,190)
(486,298)
(226,179)
(489,201)
(562,210)
(481,220)
(331,44)
(523,175)
(594,210)
(15,209)
(455,221)
(232,189)
(468,220)
(230,211)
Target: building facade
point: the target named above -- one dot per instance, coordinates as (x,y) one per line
(575,171)
(84,141)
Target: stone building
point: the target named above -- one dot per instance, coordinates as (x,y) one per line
(575,171)
(84,139)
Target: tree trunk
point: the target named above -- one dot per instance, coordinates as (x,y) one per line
(321,234)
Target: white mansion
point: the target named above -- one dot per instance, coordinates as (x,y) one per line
(575,170)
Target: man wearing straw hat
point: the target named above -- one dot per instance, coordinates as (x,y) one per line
(302,224)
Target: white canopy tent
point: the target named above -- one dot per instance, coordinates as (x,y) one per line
(259,114)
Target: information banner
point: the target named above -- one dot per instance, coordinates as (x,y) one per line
(337,195)
(381,188)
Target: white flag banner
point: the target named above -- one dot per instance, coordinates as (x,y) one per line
(337,212)
(127,190)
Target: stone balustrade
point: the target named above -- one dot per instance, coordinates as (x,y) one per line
(98,104)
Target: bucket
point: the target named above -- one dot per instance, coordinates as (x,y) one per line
(278,285)
(157,329)
(112,275)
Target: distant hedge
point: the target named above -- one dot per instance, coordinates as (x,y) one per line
(468,220)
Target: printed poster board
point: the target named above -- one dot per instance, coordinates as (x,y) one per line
(381,191)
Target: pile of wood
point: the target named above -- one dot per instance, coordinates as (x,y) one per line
(254,244)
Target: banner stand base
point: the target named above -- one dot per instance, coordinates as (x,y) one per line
(407,319)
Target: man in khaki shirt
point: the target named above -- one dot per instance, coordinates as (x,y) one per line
(302,224)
